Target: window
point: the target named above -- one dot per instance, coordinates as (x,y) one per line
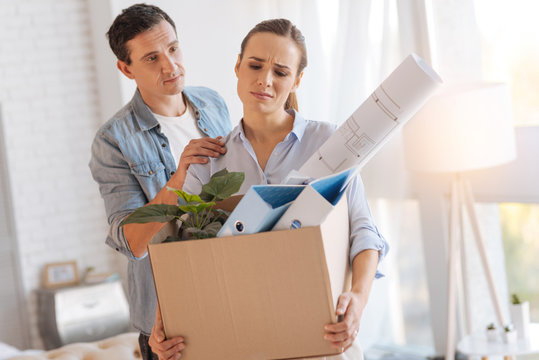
(520,231)
(510,52)
(406,325)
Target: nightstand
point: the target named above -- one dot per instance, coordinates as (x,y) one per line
(82,313)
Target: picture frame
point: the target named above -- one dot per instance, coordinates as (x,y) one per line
(61,274)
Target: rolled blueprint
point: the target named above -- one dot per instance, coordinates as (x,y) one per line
(388,108)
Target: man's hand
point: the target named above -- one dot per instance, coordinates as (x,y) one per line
(343,333)
(165,349)
(197,152)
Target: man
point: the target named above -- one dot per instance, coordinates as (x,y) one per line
(136,154)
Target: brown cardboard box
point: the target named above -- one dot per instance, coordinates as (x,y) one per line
(260,296)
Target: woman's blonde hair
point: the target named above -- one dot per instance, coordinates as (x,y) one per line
(282,27)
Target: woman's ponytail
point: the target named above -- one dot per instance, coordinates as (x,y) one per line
(291,102)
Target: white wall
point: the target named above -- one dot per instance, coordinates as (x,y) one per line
(49,94)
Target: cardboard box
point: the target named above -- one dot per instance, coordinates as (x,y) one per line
(258,296)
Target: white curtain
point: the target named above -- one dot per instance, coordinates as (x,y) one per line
(456,52)
(352,46)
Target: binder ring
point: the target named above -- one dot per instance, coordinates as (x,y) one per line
(295,224)
(238,225)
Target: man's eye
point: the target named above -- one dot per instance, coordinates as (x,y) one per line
(173,49)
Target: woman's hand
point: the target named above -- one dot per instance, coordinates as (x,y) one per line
(197,152)
(351,304)
(343,333)
(170,349)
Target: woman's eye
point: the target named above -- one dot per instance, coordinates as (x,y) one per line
(151,58)
(255,66)
(280,73)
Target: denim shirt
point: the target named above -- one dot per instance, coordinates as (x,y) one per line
(131,161)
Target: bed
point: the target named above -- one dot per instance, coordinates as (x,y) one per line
(124,346)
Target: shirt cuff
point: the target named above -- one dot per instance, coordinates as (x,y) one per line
(370,241)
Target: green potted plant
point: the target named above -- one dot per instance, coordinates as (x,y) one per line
(196,215)
(509,334)
(492,333)
(520,315)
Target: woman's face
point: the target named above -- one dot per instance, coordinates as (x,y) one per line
(267,73)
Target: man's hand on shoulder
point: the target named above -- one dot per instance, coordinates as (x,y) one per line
(197,152)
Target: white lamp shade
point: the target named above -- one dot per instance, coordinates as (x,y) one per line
(463,127)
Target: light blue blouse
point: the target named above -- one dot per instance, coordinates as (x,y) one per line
(305,137)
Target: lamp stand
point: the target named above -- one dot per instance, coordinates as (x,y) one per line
(461,196)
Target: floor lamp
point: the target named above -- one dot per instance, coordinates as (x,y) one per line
(462,128)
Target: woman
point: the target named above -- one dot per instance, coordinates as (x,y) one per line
(272,139)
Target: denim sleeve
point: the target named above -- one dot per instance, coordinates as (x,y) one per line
(364,234)
(119,189)
(224,121)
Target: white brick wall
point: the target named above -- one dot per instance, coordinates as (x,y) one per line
(49,94)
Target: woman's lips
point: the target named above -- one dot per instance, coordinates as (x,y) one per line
(261,95)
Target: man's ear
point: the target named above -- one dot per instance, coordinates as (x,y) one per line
(296,83)
(237,67)
(124,68)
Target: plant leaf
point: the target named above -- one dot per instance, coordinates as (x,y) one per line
(153,213)
(185,198)
(172,238)
(192,233)
(196,208)
(213,228)
(221,215)
(222,185)
(220,173)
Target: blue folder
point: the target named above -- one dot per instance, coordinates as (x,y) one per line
(263,205)
(259,209)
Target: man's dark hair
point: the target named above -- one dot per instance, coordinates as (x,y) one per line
(132,21)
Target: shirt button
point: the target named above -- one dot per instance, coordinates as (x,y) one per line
(164,145)
(150,172)
(205,129)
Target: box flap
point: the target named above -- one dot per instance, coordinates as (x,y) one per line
(336,239)
(230,203)
(170,228)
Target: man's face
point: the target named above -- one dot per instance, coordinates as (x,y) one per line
(156,62)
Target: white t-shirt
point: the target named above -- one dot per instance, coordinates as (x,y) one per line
(179,130)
